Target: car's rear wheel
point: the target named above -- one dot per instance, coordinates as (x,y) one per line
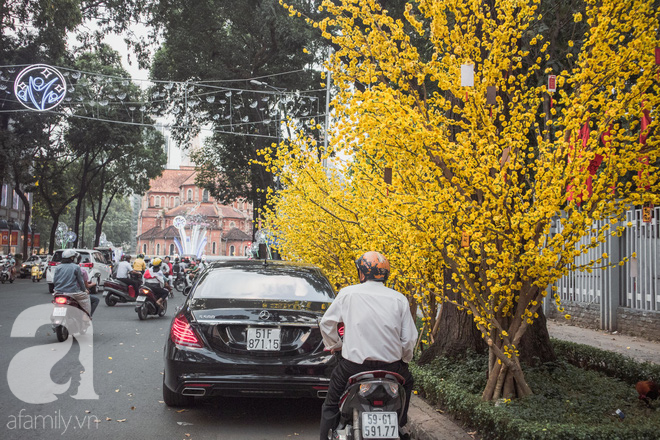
(175,399)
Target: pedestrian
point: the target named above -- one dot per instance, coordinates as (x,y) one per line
(379,334)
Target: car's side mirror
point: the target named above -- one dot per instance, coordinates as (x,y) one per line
(186,290)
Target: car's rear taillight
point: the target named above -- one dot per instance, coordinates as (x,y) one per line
(87,265)
(61,300)
(182,333)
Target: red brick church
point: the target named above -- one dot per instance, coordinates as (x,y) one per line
(174,193)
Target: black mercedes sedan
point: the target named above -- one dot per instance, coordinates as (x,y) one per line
(250,328)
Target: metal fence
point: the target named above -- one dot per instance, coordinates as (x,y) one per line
(634,285)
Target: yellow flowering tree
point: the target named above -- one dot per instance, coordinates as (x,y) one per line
(453,160)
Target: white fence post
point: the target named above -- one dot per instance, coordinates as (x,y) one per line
(611,280)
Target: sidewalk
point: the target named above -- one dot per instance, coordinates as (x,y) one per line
(427,423)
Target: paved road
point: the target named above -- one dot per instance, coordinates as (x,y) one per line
(127,377)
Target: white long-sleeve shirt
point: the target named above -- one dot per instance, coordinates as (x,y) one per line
(378,325)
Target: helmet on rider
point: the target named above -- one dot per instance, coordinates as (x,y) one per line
(372,266)
(69,253)
(127,257)
(140,256)
(157,261)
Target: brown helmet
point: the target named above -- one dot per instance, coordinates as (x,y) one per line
(374,266)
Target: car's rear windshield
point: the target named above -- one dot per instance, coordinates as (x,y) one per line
(57,257)
(263,283)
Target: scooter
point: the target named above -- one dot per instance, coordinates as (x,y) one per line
(371,407)
(119,291)
(37,273)
(181,281)
(68,316)
(146,303)
(7,273)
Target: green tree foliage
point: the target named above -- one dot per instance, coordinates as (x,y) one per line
(112,158)
(224,44)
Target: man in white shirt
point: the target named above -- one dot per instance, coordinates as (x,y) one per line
(124,270)
(379,334)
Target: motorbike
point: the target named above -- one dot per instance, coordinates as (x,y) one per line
(68,316)
(146,303)
(180,281)
(119,291)
(37,273)
(371,407)
(7,273)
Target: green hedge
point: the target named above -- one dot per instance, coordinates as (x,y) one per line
(609,363)
(569,402)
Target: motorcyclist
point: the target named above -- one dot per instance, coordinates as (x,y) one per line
(379,334)
(193,270)
(139,264)
(169,265)
(153,277)
(12,264)
(124,271)
(68,279)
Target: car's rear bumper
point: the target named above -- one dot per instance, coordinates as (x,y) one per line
(201,372)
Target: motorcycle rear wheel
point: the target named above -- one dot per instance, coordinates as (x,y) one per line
(62,333)
(142,312)
(179,285)
(110,301)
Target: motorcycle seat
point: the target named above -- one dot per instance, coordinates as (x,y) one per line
(376,374)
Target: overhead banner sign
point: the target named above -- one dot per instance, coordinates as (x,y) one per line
(40,87)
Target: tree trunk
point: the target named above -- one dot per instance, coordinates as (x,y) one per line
(53,229)
(26,220)
(535,347)
(456,334)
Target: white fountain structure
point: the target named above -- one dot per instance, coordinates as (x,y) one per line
(194,243)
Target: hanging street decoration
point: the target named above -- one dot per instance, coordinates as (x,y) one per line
(40,87)
(247,107)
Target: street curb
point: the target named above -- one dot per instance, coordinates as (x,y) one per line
(427,423)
